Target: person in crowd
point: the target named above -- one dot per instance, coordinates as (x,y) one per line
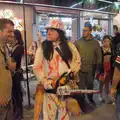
(115,89)
(6,66)
(68,33)
(54,57)
(99,34)
(116,38)
(32,51)
(17,51)
(115,30)
(91,58)
(107,68)
(94,31)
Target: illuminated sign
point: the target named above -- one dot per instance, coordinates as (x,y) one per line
(10,15)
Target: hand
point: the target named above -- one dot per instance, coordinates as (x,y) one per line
(62,81)
(11,64)
(53,84)
(113,93)
(3,103)
(54,80)
(39,36)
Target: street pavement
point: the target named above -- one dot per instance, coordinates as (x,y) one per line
(102,112)
(105,112)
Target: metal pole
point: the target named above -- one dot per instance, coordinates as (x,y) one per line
(81,23)
(110,25)
(78,26)
(28,90)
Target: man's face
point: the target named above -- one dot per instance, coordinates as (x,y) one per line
(86,32)
(7,34)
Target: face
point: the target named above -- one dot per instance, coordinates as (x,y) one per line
(106,42)
(115,31)
(52,35)
(7,34)
(86,32)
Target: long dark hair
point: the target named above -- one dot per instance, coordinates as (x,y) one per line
(48,49)
(18,37)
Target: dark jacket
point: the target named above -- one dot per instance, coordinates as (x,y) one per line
(90,53)
(116,42)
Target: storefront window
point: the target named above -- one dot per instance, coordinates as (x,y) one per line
(9,14)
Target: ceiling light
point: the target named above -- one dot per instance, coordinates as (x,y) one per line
(105,1)
(74,5)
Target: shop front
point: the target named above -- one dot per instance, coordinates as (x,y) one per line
(75,19)
(37,16)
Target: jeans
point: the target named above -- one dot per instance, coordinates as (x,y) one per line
(118,106)
(86,81)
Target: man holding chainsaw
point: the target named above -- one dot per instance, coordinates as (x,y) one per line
(56,64)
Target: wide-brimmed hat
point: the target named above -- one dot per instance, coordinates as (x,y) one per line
(55,24)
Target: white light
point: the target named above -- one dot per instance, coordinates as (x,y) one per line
(66,20)
(102,8)
(105,1)
(116,4)
(76,4)
(90,0)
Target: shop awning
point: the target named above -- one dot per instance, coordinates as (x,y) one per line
(60,11)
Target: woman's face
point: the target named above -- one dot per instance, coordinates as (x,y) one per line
(52,35)
(13,41)
(106,42)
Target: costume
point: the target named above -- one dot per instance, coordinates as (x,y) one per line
(52,69)
(48,105)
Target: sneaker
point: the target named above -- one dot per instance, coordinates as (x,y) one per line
(87,108)
(113,103)
(108,100)
(101,99)
(92,102)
